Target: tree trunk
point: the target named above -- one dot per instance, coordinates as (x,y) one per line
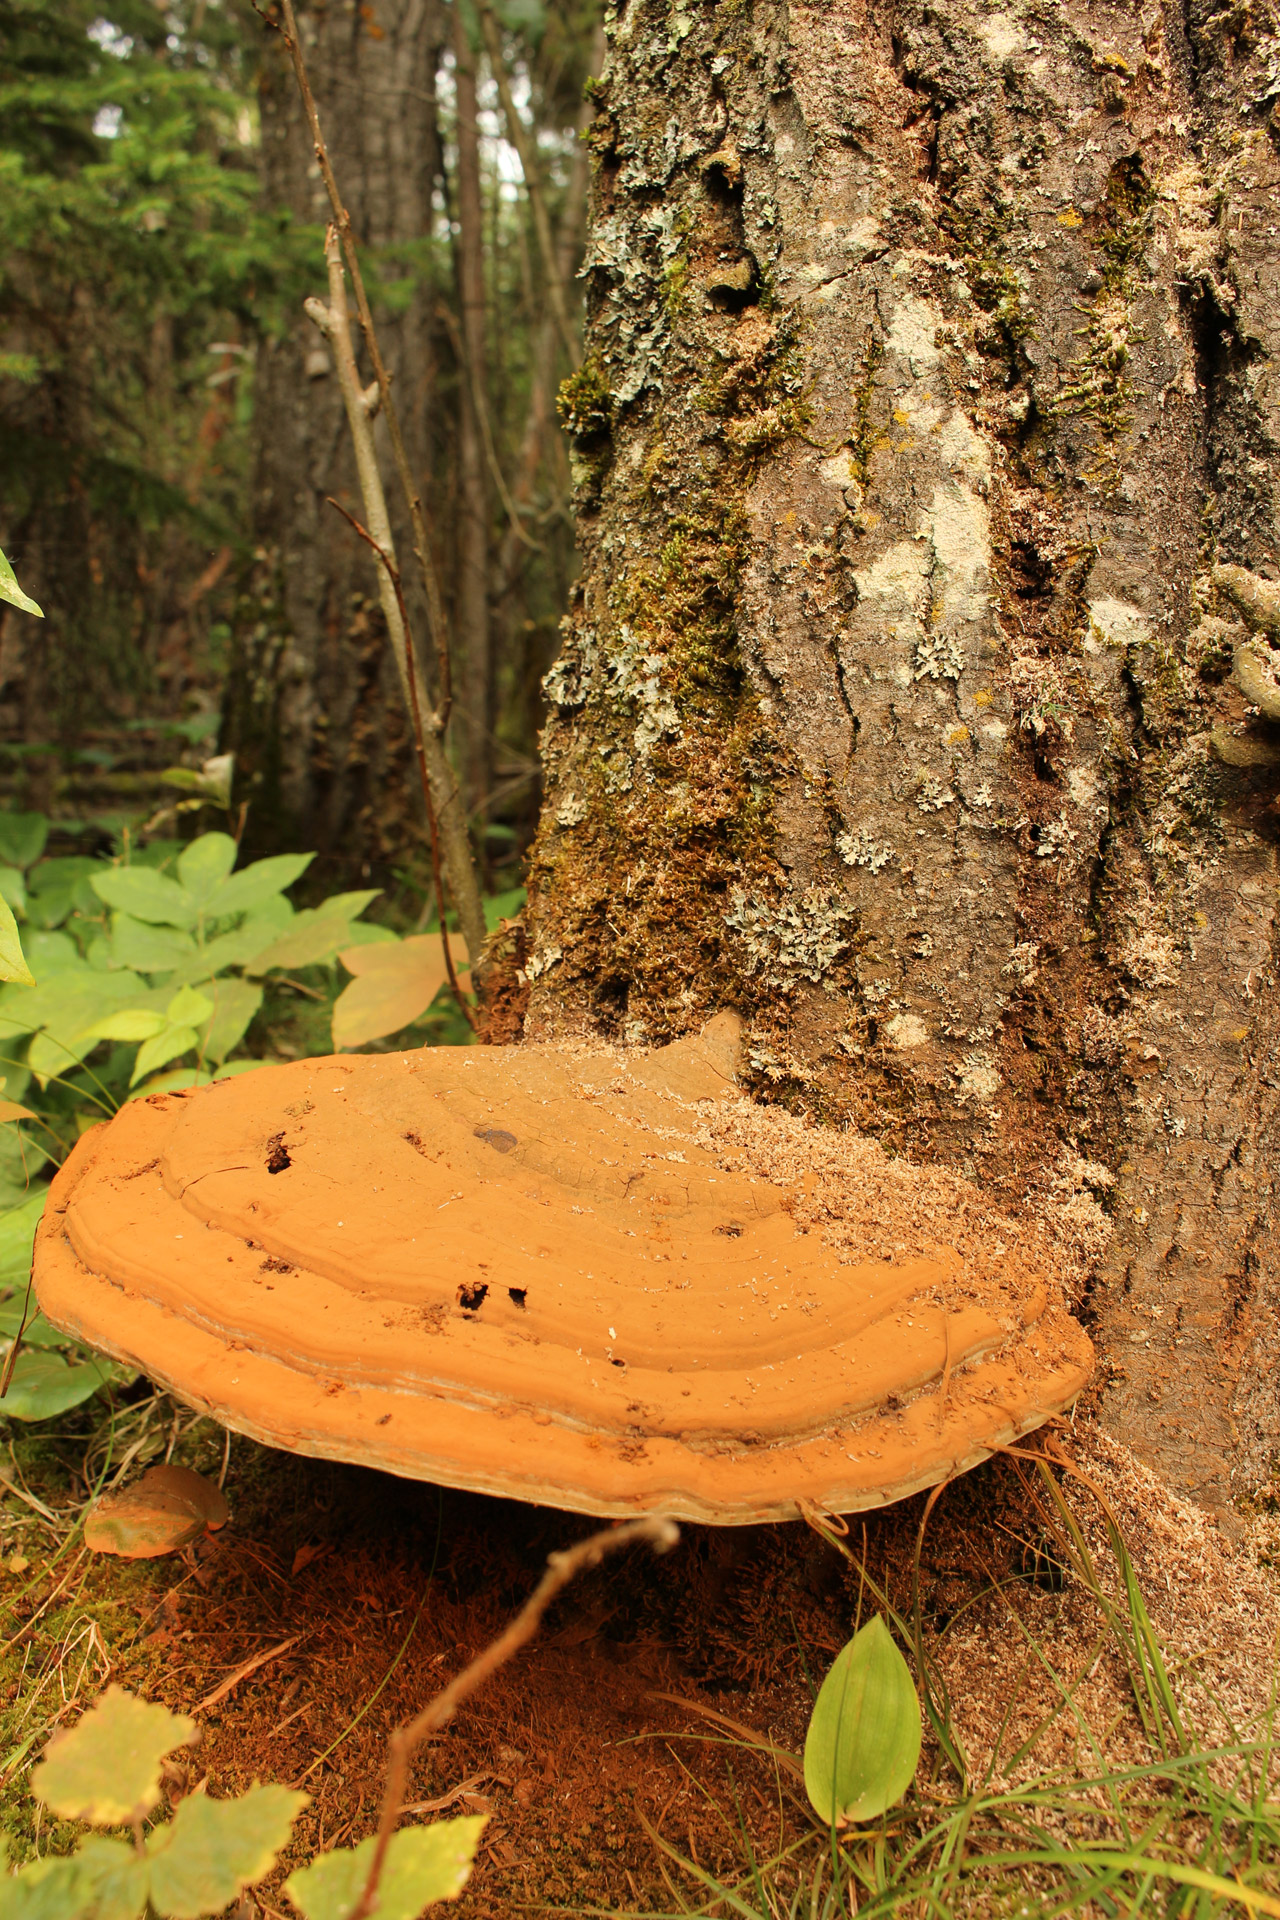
(472,622)
(314,708)
(928,376)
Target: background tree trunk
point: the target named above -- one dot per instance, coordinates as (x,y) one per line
(928,373)
(314,708)
(475,654)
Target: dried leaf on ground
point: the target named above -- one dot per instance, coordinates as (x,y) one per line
(166,1509)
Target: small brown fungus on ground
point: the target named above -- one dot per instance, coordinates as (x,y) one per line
(654,1297)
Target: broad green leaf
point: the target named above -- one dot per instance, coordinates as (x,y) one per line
(166,1046)
(214,1848)
(422,1864)
(37,1334)
(393,986)
(131,1023)
(13,965)
(205,864)
(146,895)
(106,1769)
(315,934)
(12,592)
(13,888)
(51,1888)
(55,887)
(65,1006)
(863,1743)
(114,1876)
(49,953)
(188,1008)
(22,838)
(17,1234)
(235,1003)
(237,948)
(148,949)
(242,892)
(44,1384)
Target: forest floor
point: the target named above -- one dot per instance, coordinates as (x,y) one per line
(365,1594)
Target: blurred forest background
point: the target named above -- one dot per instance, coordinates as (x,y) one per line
(170,424)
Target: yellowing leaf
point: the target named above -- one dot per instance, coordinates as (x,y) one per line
(165,1046)
(164,1510)
(423,1864)
(107,1768)
(10,1110)
(394,983)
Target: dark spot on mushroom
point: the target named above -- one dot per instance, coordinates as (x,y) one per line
(518,1295)
(382,1420)
(471,1299)
(617,1363)
(272,1265)
(732,1231)
(496,1137)
(278,1157)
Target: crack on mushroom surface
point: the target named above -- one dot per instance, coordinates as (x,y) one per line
(558,1273)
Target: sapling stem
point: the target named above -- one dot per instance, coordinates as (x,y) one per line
(361,403)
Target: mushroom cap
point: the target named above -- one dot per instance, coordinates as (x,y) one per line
(529,1271)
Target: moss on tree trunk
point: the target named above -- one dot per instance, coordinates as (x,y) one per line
(928,377)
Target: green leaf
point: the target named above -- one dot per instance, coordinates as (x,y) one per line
(423,1864)
(45,1384)
(863,1743)
(66,1005)
(315,934)
(106,1770)
(148,948)
(131,1023)
(12,592)
(13,965)
(54,887)
(166,1046)
(22,838)
(242,892)
(146,895)
(51,1888)
(235,1003)
(188,1008)
(214,1848)
(115,1878)
(205,864)
(17,1234)
(13,888)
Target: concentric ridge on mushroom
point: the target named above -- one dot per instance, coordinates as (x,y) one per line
(536,1273)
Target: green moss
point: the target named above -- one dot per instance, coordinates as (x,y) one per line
(584,401)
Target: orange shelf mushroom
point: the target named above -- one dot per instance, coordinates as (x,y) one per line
(547,1274)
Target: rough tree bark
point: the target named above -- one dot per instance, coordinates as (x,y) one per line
(929,374)
(314,707)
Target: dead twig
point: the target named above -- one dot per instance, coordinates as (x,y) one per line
(659,1533)
(393,573)
(233,1680)
(361,404)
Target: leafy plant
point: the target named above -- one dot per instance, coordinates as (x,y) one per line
(11,592)
(863,1743)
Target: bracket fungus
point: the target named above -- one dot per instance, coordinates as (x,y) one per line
(541,1273)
